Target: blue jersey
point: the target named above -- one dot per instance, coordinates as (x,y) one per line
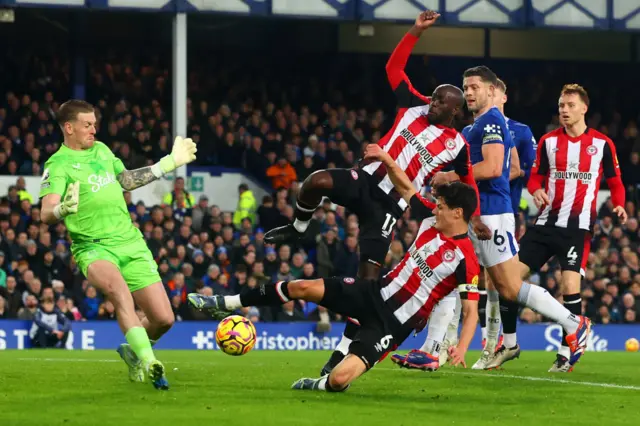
(489,128)
(525,144)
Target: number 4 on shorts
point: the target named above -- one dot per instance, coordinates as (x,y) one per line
(572,256)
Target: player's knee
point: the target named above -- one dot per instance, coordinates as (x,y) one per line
(298,289)
(509,292)
(165,321)
(319,180)
(339,379)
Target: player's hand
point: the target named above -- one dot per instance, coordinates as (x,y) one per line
(183,152)
(443,178)
(456,356)
(622,214)
(481,230)
(69,204)
(540,198)
(373,153)
(427,19)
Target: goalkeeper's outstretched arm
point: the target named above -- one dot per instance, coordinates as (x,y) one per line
(54,207)
(183,152)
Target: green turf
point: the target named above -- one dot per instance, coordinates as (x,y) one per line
(207,387)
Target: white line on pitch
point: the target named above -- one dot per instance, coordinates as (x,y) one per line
(530,378)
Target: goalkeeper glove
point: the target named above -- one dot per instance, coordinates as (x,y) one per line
(183,152)
(69,204)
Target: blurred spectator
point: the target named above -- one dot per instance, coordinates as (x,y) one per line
(282,174)
(246,206)
(50,327)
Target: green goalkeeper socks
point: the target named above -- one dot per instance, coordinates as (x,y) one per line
(139,341)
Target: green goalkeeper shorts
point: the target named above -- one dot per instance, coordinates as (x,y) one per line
(134,260)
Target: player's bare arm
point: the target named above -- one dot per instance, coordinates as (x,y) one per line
(49,202)
(491,165)
(469,325)
(132,179)
(398,177)
(514,168)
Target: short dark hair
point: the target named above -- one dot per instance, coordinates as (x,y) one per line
(576,89)
(485,74)
(459,195)
(243,187)
(69,110)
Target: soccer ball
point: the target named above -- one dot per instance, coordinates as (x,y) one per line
(632,345)
(235,335)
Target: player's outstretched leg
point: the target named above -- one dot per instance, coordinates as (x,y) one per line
(338,380)
(316,186)
(367,271)
(268,295)
(108,279)
(511,287)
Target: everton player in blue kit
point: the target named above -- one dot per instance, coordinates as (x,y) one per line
(523,144)
(490,150)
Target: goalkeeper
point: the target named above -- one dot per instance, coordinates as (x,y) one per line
(82,184)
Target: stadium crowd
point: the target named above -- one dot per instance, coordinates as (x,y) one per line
(280,133)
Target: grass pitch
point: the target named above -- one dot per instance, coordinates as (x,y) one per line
(55,387)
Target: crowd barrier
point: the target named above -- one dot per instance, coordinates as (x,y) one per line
(299,336)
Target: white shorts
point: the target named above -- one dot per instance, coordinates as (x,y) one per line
(502,246)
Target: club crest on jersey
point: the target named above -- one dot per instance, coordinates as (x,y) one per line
(592,150)
(354,175)
(448,256)
(475,280)
(450,144)
(349,280)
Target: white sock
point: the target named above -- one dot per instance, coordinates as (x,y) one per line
(564,351)
(343,346)
(543,303)
(322,382)
(452,330)
(232,302)
(510,340)
(493,318)
(301,225)
(438,323)
(324,316)
(483,331)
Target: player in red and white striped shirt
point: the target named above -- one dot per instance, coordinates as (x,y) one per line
(421,142)
(440,260)
(570,162)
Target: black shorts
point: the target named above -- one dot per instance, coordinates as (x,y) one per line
(570,246)
(380,332)
(377,213)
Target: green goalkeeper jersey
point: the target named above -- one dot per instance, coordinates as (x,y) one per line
(102,212)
